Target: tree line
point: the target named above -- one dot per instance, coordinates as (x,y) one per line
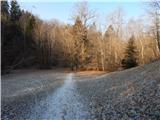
(28,41)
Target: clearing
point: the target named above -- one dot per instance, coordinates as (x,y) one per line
(63,95)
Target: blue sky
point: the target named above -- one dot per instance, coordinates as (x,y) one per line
(63,10)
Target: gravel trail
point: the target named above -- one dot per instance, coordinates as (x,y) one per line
(62,104)
(65,103)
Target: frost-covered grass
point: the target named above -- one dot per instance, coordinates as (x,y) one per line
(24,82)
(130,94)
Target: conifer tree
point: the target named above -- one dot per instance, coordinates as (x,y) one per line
(130,59)
(4,7)
(81,43)
(4,32)
(77,33)
(15,11)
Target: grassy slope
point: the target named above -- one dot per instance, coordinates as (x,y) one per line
(133,93)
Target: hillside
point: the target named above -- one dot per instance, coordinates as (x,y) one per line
(129,94)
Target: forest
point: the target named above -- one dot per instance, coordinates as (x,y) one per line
(30,42)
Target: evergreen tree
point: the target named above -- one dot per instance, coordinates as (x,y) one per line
(15,29)
(4,32)
(4,8)
(14,48)
(15,11)
(80,34)
(4,19)
(77,30)
(130,59)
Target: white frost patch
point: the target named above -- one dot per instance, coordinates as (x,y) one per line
(66,104)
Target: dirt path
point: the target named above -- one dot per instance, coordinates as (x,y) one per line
(65,103)
(62,104)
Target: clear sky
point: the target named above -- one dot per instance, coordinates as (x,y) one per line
(62,11)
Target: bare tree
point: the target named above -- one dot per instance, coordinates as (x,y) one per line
(155,14)
(85,15)
(116,19)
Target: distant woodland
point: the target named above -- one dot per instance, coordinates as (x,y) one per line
(27,41)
